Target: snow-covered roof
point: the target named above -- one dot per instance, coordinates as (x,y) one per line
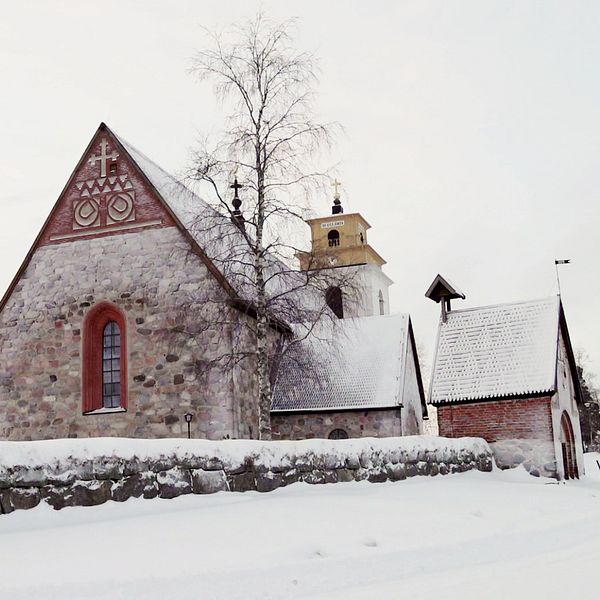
(211,230)
(223,243)
(496,351)
(356,363)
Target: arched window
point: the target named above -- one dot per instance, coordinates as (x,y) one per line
(334,237)
(381,303)
(104,362)
(333,297)
(111,366)
(338,434)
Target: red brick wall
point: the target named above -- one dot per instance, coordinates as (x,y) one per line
(498,420)
(148,211)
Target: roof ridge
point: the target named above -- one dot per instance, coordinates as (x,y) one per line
(498,305)
(130,147)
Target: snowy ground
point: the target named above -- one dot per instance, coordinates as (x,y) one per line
(474,535)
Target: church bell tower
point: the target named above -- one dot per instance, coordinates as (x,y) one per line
(339,242)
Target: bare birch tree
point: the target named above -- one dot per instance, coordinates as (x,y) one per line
(267,151)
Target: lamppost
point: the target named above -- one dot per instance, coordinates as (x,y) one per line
(188,419)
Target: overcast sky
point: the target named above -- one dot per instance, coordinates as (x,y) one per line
(472,129)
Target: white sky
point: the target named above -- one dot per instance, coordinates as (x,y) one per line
(472,129)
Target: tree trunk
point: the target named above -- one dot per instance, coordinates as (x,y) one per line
(264,383)
(262,342)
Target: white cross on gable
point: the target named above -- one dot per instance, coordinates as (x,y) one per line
(104,157)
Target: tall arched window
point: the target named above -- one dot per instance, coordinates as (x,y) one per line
(104,376)
(334,237)
(333,297)
(381,303)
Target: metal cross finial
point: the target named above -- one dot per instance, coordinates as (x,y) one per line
(236,215)
(336,184)
(236,186)
(104,157)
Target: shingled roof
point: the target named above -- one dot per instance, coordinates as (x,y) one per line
(360,363)
(505,350)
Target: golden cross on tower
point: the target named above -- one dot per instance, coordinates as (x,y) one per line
(103,158)
(336,184)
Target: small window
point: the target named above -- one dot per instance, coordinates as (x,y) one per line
(334,299)
(338,434)
(334,237)
(113,168)
(381,303)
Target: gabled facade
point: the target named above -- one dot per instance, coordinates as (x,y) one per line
(506,373)
(105,330)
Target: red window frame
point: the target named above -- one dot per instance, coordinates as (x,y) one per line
(93,329)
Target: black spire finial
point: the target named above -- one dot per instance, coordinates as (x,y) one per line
(236,215)
(337,207)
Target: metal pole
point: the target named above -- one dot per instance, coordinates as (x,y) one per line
(189,424)
(557,277)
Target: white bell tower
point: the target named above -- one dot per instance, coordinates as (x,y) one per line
(339,242)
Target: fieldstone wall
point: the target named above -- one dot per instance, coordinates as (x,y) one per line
(536,456)
(169,300)
(86,474)
(365,423)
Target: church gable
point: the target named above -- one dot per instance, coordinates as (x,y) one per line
(114,190)
(106,195)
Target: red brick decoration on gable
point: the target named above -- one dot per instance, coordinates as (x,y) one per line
(106,195)
(93,329)
(495,420)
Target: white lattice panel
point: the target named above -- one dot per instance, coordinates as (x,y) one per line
(360,365)
(495,351)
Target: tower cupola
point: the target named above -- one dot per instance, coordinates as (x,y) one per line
(442,291)
(340,241)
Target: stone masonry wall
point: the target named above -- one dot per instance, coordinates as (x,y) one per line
(95,471)
(369,423)
(167,296)
(518,431)
(537,456)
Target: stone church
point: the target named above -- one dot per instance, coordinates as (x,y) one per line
(103,330)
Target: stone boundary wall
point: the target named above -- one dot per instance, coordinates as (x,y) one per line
(536,456)
(88,472)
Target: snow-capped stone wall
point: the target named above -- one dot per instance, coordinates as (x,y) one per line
(77,472)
